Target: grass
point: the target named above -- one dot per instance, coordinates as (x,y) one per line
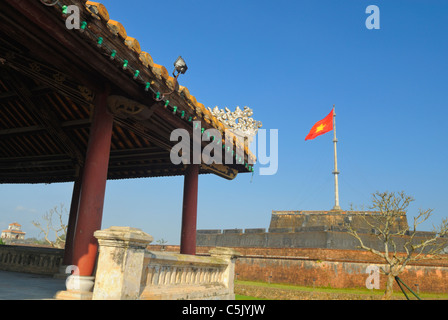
(358,291)
(240,297)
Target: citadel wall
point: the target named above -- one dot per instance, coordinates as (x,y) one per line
(328,268)
(313,248)
(308,229)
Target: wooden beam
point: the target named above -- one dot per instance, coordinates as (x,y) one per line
(115,155)
(35,164)
(47,118)
(49,175)
(68,125)
(39,90)
(22,131)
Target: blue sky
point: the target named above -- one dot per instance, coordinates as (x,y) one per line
(290,61)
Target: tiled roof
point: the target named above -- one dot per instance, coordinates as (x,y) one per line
(161,72)
(15,224)
(13,231)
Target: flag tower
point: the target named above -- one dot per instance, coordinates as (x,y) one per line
(336,172)
(321,127)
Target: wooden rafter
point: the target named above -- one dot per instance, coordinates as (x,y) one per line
(68,125)
(46,118)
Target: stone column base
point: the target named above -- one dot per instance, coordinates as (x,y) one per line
(73,295)
(78,288)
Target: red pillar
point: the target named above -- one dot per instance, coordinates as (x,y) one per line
(73,217)
(93,188)
(189,210)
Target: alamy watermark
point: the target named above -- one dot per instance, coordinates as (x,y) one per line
(72,282)
(218,153)
(73,20)
(373,20)
(373,280)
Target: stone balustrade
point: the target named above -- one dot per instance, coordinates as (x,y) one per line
(175,276)
(167,269)
(127,271)
(34,260)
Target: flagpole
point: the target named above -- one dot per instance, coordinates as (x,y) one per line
(336,172)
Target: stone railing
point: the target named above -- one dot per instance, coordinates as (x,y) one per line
(45,261)
(171,276)
(127,271)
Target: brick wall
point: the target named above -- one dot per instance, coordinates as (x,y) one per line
(335,274)
(329,268)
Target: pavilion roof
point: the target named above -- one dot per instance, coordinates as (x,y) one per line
(48,79)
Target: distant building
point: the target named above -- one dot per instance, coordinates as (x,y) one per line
(13,232)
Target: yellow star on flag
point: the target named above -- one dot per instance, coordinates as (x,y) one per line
(320,128)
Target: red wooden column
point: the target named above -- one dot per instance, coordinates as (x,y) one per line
(93,188)
(73,217)
(189,210)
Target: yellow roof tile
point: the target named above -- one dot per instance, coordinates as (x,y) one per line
(133,44)
(117,28)
(185,91)
(146,59)
(199,109)
(160,71)
(171,82)
(98,9)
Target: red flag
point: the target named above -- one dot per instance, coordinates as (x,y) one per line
(323,126)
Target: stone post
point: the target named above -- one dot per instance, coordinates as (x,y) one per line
(120,263)
(229,255)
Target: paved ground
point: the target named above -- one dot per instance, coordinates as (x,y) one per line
(22,286)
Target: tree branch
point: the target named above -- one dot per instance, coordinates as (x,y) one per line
(390,208)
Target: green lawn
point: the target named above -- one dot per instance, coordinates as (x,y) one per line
(360,291)
(240,297)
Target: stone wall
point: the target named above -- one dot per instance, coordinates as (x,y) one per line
(316,237)
(311,229)
(359,220)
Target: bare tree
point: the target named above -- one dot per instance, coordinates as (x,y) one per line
(400,243)
(54,225)
(162,242)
